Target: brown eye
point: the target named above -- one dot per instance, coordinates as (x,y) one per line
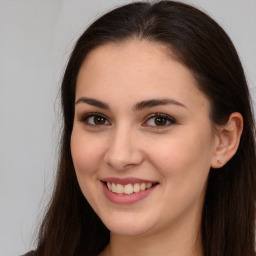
(159,121)
(95,119)
(99,120)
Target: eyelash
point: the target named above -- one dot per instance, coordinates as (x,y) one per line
(166,118)
(86,117)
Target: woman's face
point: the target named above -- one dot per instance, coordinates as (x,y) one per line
(141,128)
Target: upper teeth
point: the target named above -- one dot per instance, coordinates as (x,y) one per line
(128,188)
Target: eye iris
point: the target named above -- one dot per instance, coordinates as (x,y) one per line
(99,120)
(160,121)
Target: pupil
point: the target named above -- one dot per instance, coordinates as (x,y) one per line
(99,120)
(160,121)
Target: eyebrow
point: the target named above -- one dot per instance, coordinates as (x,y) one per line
(138,106)
(156,102)
(93,102)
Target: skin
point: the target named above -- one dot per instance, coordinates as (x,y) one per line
(129,143)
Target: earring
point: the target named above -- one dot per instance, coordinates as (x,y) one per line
(219,161)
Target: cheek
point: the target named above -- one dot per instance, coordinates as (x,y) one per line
(184,164)
(86,153)
(187,154)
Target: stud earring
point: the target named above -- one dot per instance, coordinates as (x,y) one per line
(219,161)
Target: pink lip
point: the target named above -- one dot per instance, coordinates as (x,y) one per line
(124,181)
(123,198)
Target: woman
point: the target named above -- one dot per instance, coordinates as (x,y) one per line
(158,146)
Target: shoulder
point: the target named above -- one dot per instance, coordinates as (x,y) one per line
(31,253)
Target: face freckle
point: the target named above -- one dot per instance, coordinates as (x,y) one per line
(176,156)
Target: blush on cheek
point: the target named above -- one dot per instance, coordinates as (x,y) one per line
(82,166)
(182,158)
(78,152)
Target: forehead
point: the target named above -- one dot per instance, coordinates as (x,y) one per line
(132,52)
(140,66)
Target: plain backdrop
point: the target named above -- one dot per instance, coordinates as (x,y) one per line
(36,38)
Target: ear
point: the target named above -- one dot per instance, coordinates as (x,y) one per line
(227,140)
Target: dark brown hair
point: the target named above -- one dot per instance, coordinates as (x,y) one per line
(70,226)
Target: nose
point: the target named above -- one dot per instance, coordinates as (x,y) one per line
(123,151)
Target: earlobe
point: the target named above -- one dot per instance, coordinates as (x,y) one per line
(227,140)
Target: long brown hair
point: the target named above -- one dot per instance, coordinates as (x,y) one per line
(70,226)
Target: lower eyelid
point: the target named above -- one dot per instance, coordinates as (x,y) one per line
(168,118)
(85,117)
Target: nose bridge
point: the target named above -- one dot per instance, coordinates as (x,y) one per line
(123,151)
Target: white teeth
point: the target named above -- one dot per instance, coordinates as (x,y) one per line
(142,186)
(128,188)
(109,186)
(119,189)
(136,187)
(148,185)
(113,187)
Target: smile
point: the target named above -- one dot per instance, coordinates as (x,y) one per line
(128,188)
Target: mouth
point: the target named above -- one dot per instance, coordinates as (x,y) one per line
(130,188)
(127,190)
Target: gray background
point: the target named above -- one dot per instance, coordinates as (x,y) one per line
(36,38)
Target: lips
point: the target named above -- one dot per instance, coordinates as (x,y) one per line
(128,190)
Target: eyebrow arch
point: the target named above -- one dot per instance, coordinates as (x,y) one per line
(138,106)
(93,102)
(156,102)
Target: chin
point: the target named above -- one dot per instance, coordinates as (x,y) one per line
(126,230)
(127,226)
